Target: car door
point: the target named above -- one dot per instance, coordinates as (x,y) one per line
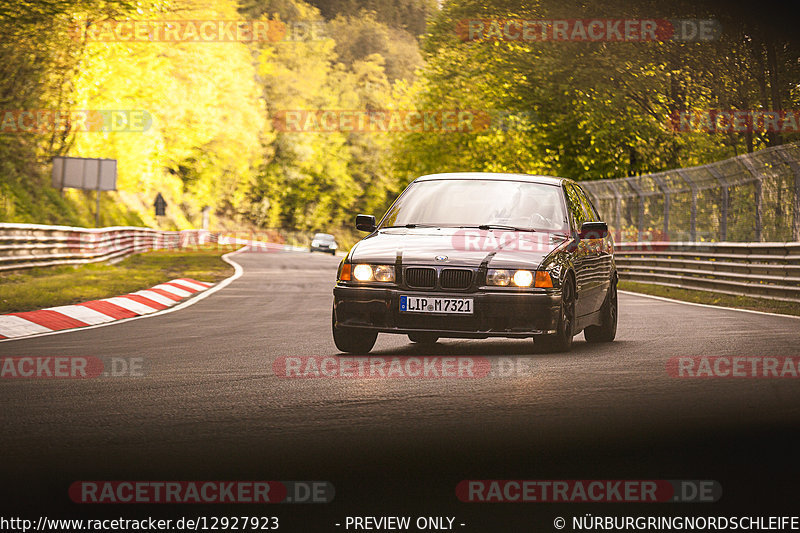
(598,258)
(580,254)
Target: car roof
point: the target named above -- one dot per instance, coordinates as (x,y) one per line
(498,176)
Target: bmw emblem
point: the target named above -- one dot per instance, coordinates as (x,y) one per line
(441,258)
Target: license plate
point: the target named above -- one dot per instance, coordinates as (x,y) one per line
(435,304)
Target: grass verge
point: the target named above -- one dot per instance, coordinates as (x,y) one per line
(710,298)
(28,290)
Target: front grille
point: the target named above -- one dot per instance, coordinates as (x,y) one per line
(421,278)
(453,278)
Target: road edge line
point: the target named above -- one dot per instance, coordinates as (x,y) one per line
(664,299)
(237,273)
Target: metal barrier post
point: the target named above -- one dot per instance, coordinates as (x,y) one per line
(666,191)
(693,221)
(796,194)
(617,209)
(758,194)
(723,219)
(640,194)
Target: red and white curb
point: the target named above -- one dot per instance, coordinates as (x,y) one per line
(97,312)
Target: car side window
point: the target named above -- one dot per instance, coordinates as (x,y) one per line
(575,205)
(588,209)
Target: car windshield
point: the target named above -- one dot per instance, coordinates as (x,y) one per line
(473,203)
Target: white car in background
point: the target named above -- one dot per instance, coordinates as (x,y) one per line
(324,242)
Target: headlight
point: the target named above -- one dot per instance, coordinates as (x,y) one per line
(334,245)
(498,277)
(384,273)
(523,278)
(362,272)
(314,244)
(518,278)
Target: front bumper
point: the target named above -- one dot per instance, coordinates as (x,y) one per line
(322,248)
(496,314)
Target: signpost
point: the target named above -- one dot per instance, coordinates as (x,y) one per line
(87,174)
(161,206)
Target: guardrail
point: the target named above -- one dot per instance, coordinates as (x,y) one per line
(752,197)
(34,245)
(762,270)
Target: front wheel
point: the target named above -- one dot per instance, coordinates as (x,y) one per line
(352,340)
(607,329)
(562,340)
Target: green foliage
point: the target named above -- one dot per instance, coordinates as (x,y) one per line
(409,15)
(317,180)
(211,142)
(359,37)
(205,141)
(585,110)
(597,110)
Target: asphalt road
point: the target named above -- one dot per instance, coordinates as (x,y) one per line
(211,407)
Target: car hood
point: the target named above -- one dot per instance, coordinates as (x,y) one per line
(461,247)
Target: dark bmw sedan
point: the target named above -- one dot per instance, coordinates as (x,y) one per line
(478,255)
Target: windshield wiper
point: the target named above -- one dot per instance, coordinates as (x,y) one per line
(500,226)
(414,226)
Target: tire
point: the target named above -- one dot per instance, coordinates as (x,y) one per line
(607,330)
(423,338)
(352,340)
(562,340)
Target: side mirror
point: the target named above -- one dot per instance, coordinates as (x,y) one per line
(594,230)
(365,223)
